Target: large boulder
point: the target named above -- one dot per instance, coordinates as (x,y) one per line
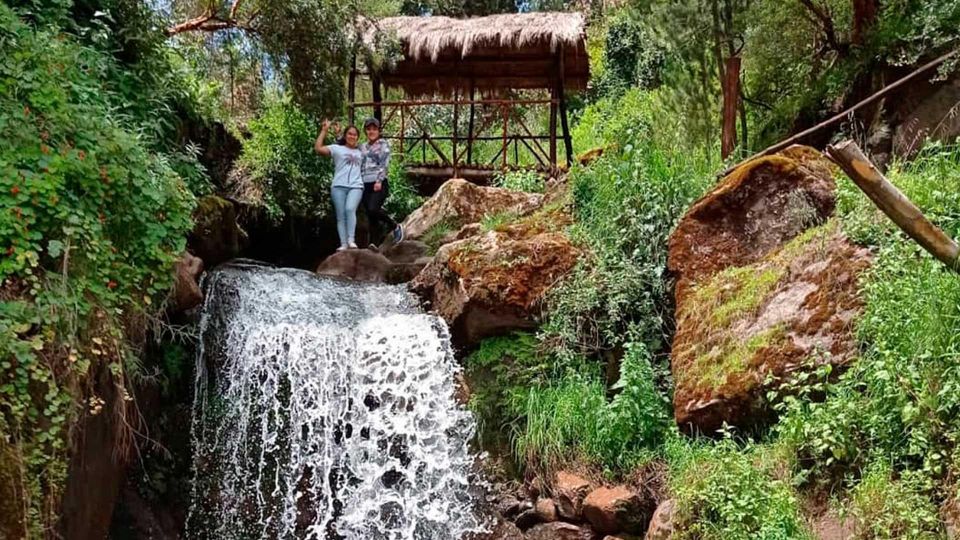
(617,509)
(458,203)
(216,236)
(763,289)
(356,264)
(496,281)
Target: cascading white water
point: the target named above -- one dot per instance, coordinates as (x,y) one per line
(325,409)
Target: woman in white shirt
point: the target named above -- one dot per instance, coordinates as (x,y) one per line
(346,190)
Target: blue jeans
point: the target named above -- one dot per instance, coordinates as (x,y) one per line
(345,203)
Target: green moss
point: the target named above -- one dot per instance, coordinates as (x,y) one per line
(496,221)
(434,236)
(736,291)
(733,357)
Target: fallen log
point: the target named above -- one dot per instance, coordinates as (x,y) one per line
(894,204)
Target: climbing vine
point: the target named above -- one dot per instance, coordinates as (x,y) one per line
(91,221)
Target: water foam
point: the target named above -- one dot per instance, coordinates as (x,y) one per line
(326,409)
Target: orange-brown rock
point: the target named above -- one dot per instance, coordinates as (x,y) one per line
(661,524)
(617,509)
(546,510)
(753,211)
(569,490)
(186,291)
(356,264)
(763,289)
(495,282)
(559,530)
(458,203)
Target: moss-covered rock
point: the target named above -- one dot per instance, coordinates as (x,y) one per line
(762,291)
(495,282)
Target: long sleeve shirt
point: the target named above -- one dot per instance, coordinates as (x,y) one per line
(376,160)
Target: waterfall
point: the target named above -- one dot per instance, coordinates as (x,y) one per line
(325,409)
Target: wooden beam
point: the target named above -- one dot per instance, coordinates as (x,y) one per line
(894,204)
(352,92)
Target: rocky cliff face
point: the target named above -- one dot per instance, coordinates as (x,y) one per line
(766,286)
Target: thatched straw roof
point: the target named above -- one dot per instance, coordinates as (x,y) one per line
(428,37)
(516,50)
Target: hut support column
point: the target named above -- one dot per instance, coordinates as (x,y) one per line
(567,142)
(352,91)
(456,119)
(377,97)
(553,124)
(470,125)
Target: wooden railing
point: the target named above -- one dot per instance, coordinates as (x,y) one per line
(402,121)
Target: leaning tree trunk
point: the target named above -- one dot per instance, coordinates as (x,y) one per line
(894,204)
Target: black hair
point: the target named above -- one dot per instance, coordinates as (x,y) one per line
(342,140)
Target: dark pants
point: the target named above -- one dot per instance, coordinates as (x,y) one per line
(372,203)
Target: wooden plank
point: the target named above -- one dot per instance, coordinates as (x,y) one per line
(895,204)
(470,133)
(567,141)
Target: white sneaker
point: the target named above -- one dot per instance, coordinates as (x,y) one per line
(342,248)
(352,245)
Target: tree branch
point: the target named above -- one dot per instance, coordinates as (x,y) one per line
(211,21)
(826,24)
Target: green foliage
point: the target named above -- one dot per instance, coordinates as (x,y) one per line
(280,157)
(727,492)
(632,56)
(404,198)
(885,508)
(92,218)
(625,206)
(493,222)
(898,402)
(499,367)
(434,236)
(526,180)
(571,419)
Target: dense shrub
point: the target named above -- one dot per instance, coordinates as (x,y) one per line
(91,221)
(279,154)
(569,418)
(885,508)
(899,401)
(725,491)
(625,204)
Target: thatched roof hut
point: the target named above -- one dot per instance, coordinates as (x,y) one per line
(509,51)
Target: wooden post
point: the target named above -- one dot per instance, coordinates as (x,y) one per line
(553,117)
(352,92)
(403,128)
(470,126)
(456,120)
(894,204)
(567,142)
(377,97)
(504,148)
(731,101)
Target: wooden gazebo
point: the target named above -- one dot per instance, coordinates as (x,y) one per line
(498,82)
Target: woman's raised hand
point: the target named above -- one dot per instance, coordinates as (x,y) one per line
(325,124)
